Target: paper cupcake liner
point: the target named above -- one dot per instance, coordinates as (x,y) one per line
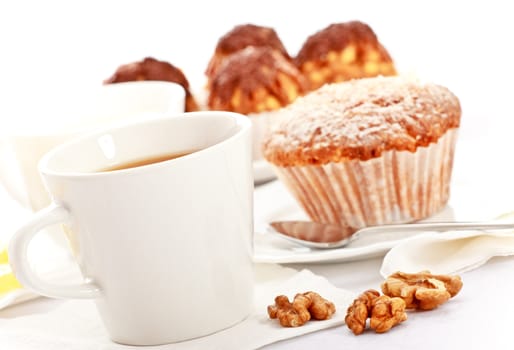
(399,186)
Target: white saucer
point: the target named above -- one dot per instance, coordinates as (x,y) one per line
(273,202)
(262,172)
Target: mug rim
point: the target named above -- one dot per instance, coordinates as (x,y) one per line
(242,120)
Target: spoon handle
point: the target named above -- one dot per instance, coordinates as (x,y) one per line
(436,227)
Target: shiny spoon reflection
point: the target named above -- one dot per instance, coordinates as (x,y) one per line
(327,236)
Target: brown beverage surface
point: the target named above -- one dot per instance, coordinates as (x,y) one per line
(146,161)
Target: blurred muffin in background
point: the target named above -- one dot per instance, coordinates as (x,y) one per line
(368,151)
(240,37)
(152,69)
(256,81)
(343,51)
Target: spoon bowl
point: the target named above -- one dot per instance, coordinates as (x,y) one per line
(328,236)
(314,234)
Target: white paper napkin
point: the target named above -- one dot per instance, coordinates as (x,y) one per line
(447,253)
(75,324)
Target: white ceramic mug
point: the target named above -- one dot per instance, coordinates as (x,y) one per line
(165,249)
(22,147)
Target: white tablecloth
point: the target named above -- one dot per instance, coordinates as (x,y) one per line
(478,317)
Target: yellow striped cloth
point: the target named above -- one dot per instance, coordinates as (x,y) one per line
(8,282)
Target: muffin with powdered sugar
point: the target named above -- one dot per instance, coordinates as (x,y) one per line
(368,151)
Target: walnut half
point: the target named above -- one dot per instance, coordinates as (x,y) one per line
(359,311)
(304,307)
(289,314)
(423,290)
(385,312)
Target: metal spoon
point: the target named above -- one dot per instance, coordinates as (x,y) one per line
(327,236)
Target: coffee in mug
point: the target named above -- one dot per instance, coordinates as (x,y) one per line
(146,161)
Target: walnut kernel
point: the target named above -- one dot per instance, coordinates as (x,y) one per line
(422,290)
(359,311)
(304,307)
(387,312)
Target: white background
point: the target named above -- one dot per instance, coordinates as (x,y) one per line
(53,52)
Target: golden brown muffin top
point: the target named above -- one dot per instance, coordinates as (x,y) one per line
(239,38)
(250,69)
(338,36)
(359,119)
(244,35)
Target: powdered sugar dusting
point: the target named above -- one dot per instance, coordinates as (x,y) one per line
(361,119)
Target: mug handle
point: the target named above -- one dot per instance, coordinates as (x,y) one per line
(18,258)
